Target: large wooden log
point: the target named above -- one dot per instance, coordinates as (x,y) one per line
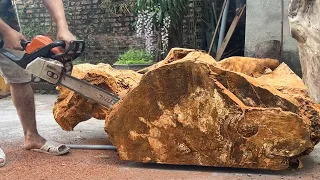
(250,66)
(305,28)
(70,108)
(195,111)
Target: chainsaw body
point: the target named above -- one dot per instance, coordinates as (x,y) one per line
(47,60)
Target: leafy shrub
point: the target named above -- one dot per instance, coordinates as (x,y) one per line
(134,56)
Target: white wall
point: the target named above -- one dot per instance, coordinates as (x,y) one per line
(263,22)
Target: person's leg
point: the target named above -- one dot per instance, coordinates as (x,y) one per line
(23,99)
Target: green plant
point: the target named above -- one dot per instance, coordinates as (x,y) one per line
(160,23)
(135,56)
(175,9)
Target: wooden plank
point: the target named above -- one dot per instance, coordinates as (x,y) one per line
(229,34)
(217,26)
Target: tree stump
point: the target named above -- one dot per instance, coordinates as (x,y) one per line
(70,108)
(194,111)
(305,28)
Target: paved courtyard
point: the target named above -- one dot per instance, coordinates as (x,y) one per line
(105,164)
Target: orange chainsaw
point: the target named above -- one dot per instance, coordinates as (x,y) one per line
(50,61)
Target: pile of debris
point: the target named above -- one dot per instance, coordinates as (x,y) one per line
(191,110)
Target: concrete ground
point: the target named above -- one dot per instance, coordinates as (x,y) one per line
(105,164)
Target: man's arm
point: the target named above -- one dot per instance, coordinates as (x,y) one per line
(4,27)
(56,10)
(11,37)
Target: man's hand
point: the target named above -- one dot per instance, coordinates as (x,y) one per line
(56,10)
(65,35)
(12,40)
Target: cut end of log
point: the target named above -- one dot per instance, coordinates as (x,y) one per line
(191,110)
(214,114)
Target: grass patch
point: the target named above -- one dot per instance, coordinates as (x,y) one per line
(135,56)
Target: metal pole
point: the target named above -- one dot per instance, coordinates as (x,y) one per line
(17,13)
(217,26)
(282,16)
(223,24)
(214,12)
(91,147)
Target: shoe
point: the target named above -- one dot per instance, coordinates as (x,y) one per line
(53,148)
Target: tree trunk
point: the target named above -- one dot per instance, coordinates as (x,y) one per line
(70,109)
(305,28)
(239,112)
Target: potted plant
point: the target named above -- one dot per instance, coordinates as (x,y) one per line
(134,59)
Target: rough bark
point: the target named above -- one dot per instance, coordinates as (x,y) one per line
(305,28)
(194,111)
(70,109)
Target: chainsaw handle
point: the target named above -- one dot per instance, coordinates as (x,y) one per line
(74,50)
(42,46)
(53,47)
(39,49)
(58,44)
(24,44)
(56,51)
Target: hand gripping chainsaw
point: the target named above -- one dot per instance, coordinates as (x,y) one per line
(45,59)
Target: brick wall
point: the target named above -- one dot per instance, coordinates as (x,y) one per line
(107,34)
(192,25)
